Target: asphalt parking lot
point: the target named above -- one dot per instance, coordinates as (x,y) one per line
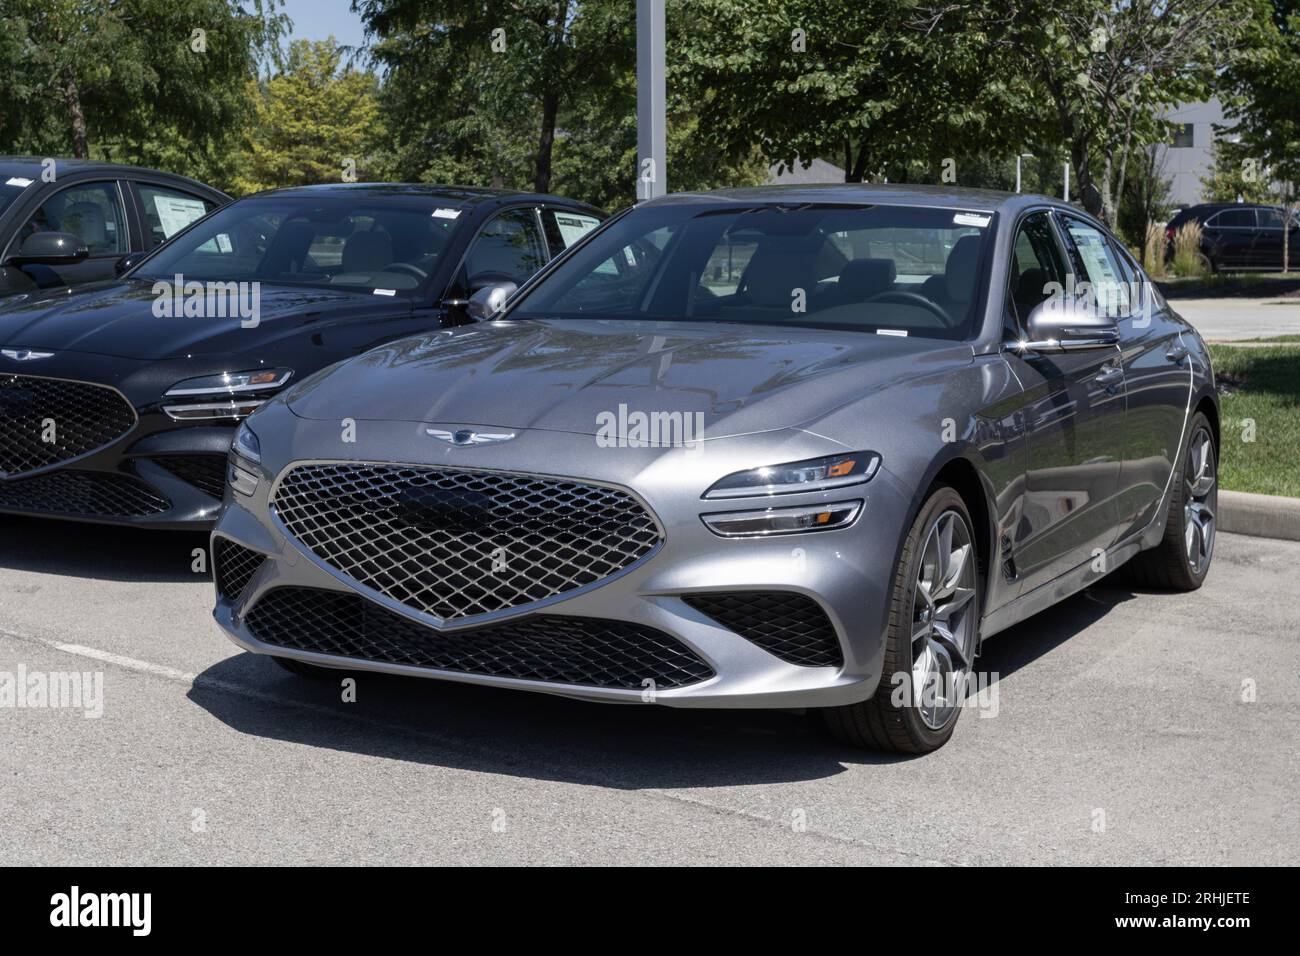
(1120,737)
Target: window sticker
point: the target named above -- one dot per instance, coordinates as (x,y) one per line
(573,227)
(224,243)
(22,182)
(971,219)
(901,333)
(446,214)
(177,212)
(385,292)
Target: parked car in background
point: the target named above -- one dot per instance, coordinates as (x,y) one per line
(1237,235)
(118,401)
(76,227)
(818,479)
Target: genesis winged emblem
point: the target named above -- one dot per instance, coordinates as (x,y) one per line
(467,437)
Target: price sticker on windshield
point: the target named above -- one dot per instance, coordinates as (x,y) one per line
(970,219)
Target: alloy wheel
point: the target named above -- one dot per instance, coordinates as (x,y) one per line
(943,622)
(1200,500)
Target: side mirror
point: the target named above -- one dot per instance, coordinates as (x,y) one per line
(126,263)
(51,249)
(1063,324)
(489,300)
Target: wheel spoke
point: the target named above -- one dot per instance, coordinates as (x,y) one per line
(944,639)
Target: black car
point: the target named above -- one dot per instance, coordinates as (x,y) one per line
(1237,235)
(67,221)
(118,400)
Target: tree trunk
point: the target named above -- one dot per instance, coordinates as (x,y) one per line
(546,143)
(72,99)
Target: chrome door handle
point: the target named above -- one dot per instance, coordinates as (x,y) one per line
(1110,375)
(1176,353)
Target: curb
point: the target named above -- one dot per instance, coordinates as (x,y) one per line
(1264,516)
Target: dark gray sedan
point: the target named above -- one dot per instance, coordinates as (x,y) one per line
(66,222)
(788,447)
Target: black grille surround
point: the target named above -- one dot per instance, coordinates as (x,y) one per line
(233,567)
(456,544)
(790,626)
(91,494)
(77,417)
(205,472)
(548,648)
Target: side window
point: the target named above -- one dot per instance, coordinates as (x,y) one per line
(1270,218)
(90,211)
(727,264)
(1036,267)
(1097,264)
(509,248)
(168,211)
(564,228)
(1235,219)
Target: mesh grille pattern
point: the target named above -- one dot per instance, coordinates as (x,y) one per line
(91,493)
(567,650)
(789,626)
(84,417)
(205,472)
(235,566)
(456,544)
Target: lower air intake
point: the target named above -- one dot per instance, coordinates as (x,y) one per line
(789,626)
(550,648)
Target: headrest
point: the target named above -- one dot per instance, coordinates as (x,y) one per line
(863,278)
(367,251)
(959,272)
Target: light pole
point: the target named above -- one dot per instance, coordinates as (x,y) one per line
(651,145)
(1018,158)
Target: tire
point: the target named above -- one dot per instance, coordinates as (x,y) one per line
(891,719)
(1171,565)
(1208,265)
(310,671)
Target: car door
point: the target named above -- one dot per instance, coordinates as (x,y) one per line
(1157,382)
(1268,241)
(93,211)
(1231,235)
(1073,413)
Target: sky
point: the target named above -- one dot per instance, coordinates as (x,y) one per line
(318,19)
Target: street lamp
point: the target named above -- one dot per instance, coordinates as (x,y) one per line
(652,178)
(1018,158)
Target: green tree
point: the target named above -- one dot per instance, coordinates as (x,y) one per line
(315,121)
(118,78)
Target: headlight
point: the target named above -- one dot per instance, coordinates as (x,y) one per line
(812,474)
(232,383)
(239,390)
(769,521)
(245,456)
(247,445)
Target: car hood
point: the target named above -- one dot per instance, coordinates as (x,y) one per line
(117,319)
(583,376)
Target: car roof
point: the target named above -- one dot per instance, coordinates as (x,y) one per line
(463,195)
(982,200)
(31,167)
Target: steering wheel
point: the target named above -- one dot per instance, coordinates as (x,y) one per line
(407,268)
(913,298)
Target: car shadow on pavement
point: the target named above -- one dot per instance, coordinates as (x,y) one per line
(545,737)
(102,552)
(1008,651)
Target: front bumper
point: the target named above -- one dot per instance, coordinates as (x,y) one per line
(846,572)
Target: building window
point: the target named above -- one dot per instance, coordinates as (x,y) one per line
(1183,137)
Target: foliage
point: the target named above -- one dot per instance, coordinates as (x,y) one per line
(311,120)
(1188,260)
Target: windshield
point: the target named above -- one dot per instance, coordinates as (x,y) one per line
(10,189)
(896,270)
(388,246)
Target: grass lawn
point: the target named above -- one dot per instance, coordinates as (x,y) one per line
(1263,387)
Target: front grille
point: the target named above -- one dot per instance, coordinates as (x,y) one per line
(790,626)
(44,421)
(456,544)
(205,472)
(234,566)
(562,650)
(89,493)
